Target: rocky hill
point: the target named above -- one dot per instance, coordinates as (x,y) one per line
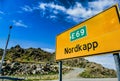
(92,69)
(27,55)
(37,61)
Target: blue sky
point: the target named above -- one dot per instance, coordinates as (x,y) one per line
(36,23)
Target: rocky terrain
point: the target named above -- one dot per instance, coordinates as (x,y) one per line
(27,55)
(35,61)
(16,68)
(92,69)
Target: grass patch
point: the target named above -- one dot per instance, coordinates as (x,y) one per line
(97,73)
(38,77)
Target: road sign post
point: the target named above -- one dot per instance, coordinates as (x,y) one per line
(117,63)
(60,70)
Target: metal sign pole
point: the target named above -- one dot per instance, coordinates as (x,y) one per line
(4,53)
(60,70)
(117,62)
(116,55)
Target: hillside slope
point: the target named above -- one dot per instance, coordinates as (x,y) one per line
(40,58)
(27,55)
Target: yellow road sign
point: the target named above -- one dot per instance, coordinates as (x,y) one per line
(97,35)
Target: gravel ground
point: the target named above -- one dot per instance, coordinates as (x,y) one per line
(72,76)
(89,79)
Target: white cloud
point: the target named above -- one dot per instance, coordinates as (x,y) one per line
(78,12)
(19,23)
(42,5)
(55,12)
(105,60)
(57,7)
(27,8)
(51,6)
(53,17)
(75,13)
(48,50)
(1,12)
(101,4)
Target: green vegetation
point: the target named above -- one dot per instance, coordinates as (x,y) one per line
(97,71)
(27,55)
(38,77)
(92,70)
(37,64)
